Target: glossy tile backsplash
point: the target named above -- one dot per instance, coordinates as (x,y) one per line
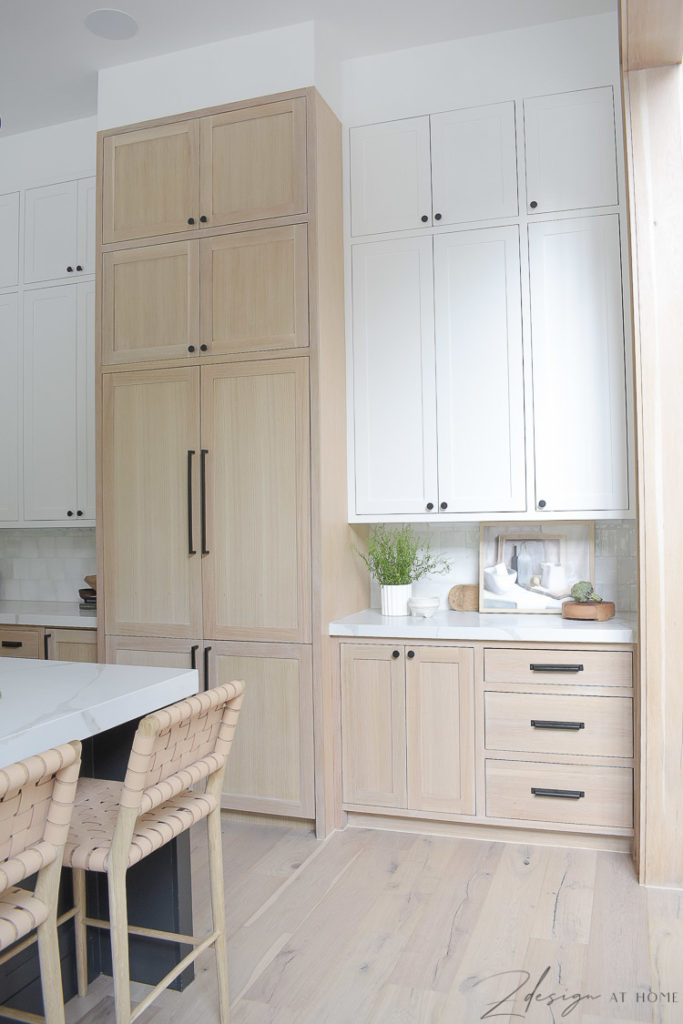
(45,565)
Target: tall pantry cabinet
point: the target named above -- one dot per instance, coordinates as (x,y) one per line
(222,536)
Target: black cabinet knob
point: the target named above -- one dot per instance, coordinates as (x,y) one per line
(69,270)
(430,506)
(79,267)
(424,218)
(542,503)
(533,204)
(203,219)
(443,505)
(190,348)
(190,220)
(203,348)
(411,654)
(70,513)
(395,654)
(437,216)
(79,512)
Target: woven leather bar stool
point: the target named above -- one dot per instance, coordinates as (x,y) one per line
(36,801)
(116,824)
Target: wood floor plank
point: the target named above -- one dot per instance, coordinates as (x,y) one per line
(566,904)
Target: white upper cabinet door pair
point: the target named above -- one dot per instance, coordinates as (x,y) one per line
(445,168)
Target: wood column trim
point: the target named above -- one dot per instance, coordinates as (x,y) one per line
(651,33)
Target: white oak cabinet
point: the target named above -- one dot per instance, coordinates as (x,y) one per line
(440,169)
(570,149)
(577,334)
(59,414)
(9,240)
(59,231)
(9,407)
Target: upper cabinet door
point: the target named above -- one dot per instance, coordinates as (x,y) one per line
(253,163)
(570,151)
(85,411)
(51,232)
(86,199)
(578,365)
(9,408)
(254,290)
(474,164)
(480,378)
(394,403)
(390,176)
(9,240)
(150,182)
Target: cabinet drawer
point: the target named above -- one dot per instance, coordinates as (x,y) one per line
(585,668)
(606,793)
(553,723)
(21,643)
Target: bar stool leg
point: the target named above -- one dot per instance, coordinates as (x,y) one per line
(213,823)
(78,882)
(118,921)
(50,973)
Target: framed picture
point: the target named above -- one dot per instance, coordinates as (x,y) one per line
(531,567)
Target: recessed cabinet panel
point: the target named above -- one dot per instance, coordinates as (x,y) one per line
(393,377)
(570,150)
(149,302)
(480,377)
(51,232)
(577,338)
(151,519)
(87,233)
(253,163)
(390,176)
(9,408)
(254,290)
(9,240)
(474,164)
(150,182)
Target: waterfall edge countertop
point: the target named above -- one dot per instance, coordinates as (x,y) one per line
(44,703)
(448,625)
(58,614)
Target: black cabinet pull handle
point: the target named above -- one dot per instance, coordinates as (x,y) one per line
(565,794)
(540,723)
(206,667)
(542,503)
(70,513)
(556,668)
(204,453)
(13,643)
(430,506)
(395,654)
(190,348)
(190,539)
(79,267)
(533,204)
(79,512)
(45,645)
(203,348)
(444,505)
(411,654)
(190,220)
(424,218)
(69,270)
(437,216)
(203,219)
(193,655)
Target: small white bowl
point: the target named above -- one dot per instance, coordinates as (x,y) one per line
(423,607)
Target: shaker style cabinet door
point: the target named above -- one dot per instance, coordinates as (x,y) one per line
(9,407)
(570,146)
(474,164)
(480,378)
(253,163)
(390,176)
(151,506)
(394,432)
(51,232)
(255,469)
(577,335)
(9,240)
(150,182)
(150,300)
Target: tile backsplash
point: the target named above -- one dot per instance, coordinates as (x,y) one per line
(615,561)
(45,565)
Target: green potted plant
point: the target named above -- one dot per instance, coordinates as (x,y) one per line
(396,559)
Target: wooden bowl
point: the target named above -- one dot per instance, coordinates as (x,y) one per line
(596,610)
(91,581)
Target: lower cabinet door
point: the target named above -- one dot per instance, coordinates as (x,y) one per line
(270,767)
(157,652)
(440,729)
(72,645)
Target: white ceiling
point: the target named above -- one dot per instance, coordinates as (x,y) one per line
(49,61)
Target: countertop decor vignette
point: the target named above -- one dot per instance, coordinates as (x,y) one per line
(615,561)
(45,564)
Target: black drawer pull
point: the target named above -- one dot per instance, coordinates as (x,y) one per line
(566,794)
(540,723)
(13,643)
(193,655)
(556,668)
(46,646)
(206,667)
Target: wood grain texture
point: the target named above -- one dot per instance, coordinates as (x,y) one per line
(600,668)
(72,645)
(30,641)
(651,33)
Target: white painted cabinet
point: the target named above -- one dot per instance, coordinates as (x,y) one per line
(9,240)
(9,407)
(577,335)
(570,146)
(59,231)
(58,404)
(479,371)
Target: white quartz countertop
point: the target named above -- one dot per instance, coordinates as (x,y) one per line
(65,614)
(448,625)
(44,703)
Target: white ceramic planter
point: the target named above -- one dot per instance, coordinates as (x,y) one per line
(395,599)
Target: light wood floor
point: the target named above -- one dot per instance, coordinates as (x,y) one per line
(374,927)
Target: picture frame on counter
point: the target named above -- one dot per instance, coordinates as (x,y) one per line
(531,567)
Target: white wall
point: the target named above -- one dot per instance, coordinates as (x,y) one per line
(561,56)
(57,153)
(205,76)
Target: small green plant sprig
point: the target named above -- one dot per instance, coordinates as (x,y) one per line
(396,557)
(583,592)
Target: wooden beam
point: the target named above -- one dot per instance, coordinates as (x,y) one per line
(651,33)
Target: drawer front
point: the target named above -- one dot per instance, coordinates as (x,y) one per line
(606,793)
(554,723)
(583,668)
(19,643)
